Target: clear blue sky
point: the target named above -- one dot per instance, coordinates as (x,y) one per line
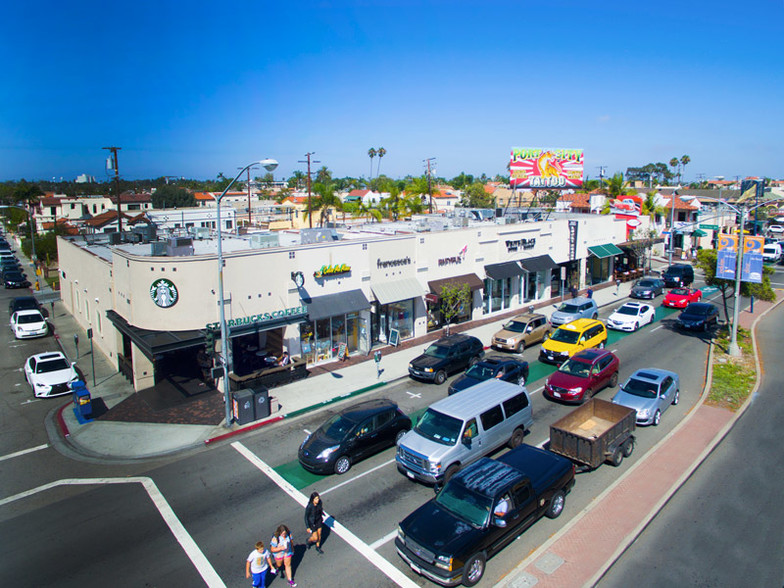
(193,89)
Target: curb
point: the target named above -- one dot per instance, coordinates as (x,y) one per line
(61,421)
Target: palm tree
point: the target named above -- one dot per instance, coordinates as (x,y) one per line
(616,185)
(325,201)
(674,163)
(685,160)
(371,154)
(297,179)
(381,153)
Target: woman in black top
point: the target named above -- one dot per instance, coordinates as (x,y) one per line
(314,519)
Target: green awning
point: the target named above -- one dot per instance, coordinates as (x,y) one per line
(699,233)
(606,250)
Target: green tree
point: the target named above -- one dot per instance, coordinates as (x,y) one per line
(454,299)
(381,153)
(675,164)
(475,196)
(325,200)
(323,175)
(462,180)
(27,193)
(685,160)
(169,196)
(616,185)
(371,154)
(297,180)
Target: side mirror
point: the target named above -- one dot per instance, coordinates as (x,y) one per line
(467,442)
(499,522)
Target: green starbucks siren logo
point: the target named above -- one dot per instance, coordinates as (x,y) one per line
(164,293)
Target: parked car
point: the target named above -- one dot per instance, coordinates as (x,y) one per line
(576,308)
(631,316)
(679,274)
(522,331)
(583,375)
(771,253)
(681,297)
(481,510)
(15,279)
(449,354)
(354,433)
(647,287)
(500,368)
(698,316)
(50,374)
(778,229)
(649,391)
(571,338)
(28,323)
(24,303)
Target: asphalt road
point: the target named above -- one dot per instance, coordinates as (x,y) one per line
(725,526)
(224,503)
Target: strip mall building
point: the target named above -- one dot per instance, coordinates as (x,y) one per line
(150,307)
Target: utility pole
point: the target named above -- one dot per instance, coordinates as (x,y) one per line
(672,223)
(114,151)
(602,168)
(309,161)
(429,185)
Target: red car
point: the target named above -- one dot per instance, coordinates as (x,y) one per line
(583,375)
(682,297)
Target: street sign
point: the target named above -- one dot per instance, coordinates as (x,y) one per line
(710,227)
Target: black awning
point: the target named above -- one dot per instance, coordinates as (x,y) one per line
(321,307)
(501,271)
(538,264)
(472,280)
(153,343)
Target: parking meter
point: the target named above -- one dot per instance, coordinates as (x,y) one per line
(76,344)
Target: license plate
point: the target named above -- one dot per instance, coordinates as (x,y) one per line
(417,569)
(410,475)
(557,394)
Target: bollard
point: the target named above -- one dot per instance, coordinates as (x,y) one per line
(76,344)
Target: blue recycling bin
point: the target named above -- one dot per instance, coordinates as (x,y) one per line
(81,399)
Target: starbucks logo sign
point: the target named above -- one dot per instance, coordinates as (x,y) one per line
(164,293)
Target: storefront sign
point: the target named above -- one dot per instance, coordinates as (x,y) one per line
(327,271)
(573,239)
(393,263)
(264,317)
(455,259)
(546,168)
(164,293)
(518,244)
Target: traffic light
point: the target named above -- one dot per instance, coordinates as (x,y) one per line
(209,341)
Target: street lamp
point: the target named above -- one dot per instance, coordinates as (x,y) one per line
(31,221)
(269,165)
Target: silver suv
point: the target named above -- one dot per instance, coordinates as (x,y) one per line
(571,310)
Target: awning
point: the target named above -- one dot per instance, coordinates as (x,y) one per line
(386,292)
(472,280)
(501,271)
(538,264)
(699,233)
(606,250)
(152,343)
(321,307)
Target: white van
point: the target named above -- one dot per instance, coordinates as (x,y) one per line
(461,428)
(771,253)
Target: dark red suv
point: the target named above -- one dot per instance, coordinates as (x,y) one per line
(583,375)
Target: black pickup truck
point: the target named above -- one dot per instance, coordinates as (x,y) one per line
(480,510)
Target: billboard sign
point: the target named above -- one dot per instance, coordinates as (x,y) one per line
(546,168)
(726,257)
(751,266)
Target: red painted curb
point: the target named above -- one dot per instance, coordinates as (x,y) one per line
(244,430)
(61,420)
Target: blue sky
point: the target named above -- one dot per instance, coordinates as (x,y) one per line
(193,89)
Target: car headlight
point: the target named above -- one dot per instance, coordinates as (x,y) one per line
(411,366)
(429,370)
(434,468)
(577,390)
(42,386)
(305,440)
(400,534)
(444,562)
(327,452)
(643,413)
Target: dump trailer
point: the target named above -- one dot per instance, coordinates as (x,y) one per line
(595,432)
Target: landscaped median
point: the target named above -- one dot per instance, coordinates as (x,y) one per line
(733,377)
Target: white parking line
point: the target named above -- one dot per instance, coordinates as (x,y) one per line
(198,559)
(383,541)
(657,328)
(24,452)
(306,431)
(412,395)
(378,467)
(355,542)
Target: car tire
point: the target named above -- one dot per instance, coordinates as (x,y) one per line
(595,316)
(450,471)
(342,465)
(473,361)
(474,569)
(636,326)
(516,440)
(440,377)
(628,447)
(676,398)
(546,336)
(613,380)
(399,435)
(617,457)
(520,347)
(602,344)
(656,418)
(556,506)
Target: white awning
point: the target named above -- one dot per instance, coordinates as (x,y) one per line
(398,290)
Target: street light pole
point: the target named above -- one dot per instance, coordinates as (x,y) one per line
(269,165)
(672,223)
(734,348)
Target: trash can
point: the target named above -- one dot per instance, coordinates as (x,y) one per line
(81,399)
(242,406)
(261,402)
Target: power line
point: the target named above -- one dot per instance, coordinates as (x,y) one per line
(309,161)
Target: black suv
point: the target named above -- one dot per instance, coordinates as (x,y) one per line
(678,275)
(25,303)
(449,354)
(505,369)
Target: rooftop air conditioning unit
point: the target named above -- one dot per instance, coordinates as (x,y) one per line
(179,246)
(158,248)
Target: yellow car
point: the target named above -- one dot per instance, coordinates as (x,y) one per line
(572,337)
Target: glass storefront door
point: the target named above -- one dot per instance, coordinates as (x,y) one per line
(497,294)
(321,340)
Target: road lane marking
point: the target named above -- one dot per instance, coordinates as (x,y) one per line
(307,432)
(24,452)
(378,467)
(383,541)
(198,559)
(657,328)
(30,401)
(360,546)
(412,395)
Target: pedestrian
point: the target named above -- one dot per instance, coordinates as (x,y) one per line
(377,358)
(314,520)
(257,564)
(282,548)
(617,286)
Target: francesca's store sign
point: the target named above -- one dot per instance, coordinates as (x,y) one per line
(518,244)
(383,264)
(332,270)
(264,317)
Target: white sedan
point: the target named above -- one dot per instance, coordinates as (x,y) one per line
(28,323)
(631,316)
(50,374)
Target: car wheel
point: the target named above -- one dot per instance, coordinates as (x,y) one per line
(595,316)
(399,435)
(546,336)
(636,326)
(628,447)
(474,570)
(677,397)
(440,377)
(521,381)
(450,471)
(656,418)
(473,361)
(602,344)
(516,439)
(520,347)
(342,465)
(556,506)
(617,457)
(587,394)
(614,380)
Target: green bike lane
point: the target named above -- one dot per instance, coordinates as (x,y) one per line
(300,478)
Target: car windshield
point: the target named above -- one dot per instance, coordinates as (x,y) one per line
(641,388)
(679,292)
(26,319)
(564,336)
(53,365)
(646,283)
(632,310)
(468,506)
(575,367)
(569,308)
(699,310)
(437,351)
(337,427)
(480,372)
(439,427)
(515,326)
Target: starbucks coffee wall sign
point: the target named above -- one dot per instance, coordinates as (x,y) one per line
(164,293)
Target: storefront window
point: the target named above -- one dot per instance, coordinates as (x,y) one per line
(498,294)
(400,316)
(321,340)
